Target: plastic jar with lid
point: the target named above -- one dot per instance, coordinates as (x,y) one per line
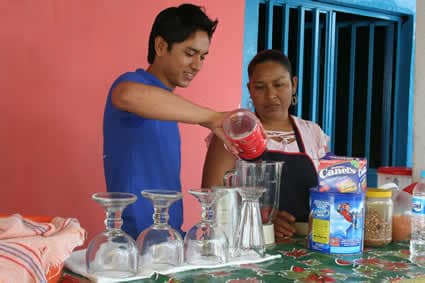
(378,217)
(243,128)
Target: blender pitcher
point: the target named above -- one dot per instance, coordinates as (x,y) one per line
(259,186)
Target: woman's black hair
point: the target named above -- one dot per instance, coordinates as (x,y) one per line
(270,55)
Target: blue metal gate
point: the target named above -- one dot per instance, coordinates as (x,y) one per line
(350,72)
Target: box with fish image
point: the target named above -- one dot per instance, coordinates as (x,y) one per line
(336,220)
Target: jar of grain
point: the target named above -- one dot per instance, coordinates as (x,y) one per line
(378,217)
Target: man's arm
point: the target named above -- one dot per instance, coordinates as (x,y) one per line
(155,103)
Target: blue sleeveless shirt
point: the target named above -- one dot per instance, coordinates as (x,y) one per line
(139,154)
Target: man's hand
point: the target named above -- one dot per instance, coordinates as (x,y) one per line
(284,224)
(215,124)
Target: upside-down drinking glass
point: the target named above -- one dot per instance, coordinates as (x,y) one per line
(205,243)
(113,253)
(160,246)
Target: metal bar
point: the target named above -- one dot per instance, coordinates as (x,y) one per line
(364,24)
(269,24)
(325,106)
(314,66)
(372,176)
(250,44)
(395,147)
(319,69)
(332,145)
(386,96)
(407,82)
(329,78)
(351,90)
(300,59)
(369,90)
(285,30)
(311,5)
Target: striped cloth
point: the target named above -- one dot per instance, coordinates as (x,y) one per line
(28,249)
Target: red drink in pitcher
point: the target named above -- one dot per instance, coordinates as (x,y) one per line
(243,128)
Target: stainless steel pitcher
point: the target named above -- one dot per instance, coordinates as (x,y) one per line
(227,212)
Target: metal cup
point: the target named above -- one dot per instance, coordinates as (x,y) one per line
(227,211)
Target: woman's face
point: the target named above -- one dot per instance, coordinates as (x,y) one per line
(271,90)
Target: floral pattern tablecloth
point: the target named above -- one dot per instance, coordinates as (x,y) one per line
(298,264)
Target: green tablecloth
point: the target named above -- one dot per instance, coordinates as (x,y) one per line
(298,264)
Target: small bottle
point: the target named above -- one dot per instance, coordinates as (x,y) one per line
(243,128)
(378,217)
(417,239)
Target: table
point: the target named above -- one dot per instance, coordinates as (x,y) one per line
(298,264)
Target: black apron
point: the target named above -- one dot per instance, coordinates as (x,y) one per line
(298,176)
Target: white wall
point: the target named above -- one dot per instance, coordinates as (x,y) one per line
(419,104)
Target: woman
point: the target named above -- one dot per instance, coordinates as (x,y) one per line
(299,143)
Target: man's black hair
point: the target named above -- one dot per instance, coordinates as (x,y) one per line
(176,24)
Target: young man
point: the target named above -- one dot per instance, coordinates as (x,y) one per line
(141,135)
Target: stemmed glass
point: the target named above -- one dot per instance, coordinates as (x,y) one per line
(205,243)
(113,253)
(160,246)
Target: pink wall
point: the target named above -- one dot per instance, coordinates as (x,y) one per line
(58,59)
